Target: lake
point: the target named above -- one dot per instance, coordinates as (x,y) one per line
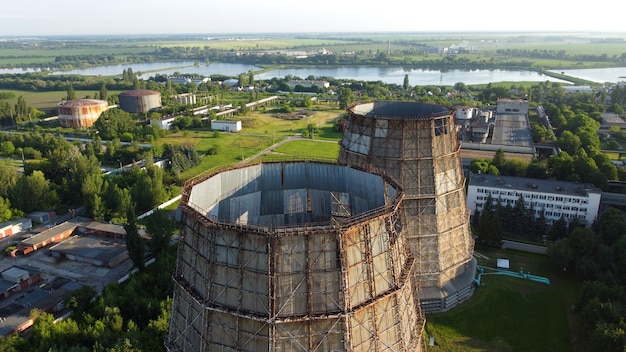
(146,70)
(390,75)
(417,77)
(600,75)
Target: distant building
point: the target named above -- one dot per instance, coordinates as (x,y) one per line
(12,227)
(164,123)
(512,106)
(185,99)
(187,80)
(464,113)
(41,216)
(308,84)
(91,250)
(140,100)
(610,119)
(557,198)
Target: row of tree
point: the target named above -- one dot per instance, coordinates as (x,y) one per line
(596,255)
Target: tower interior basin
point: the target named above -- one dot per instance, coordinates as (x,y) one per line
(287,194)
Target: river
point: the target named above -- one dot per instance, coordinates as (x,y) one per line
(387,74)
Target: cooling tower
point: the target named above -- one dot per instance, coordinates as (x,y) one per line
(416,143)
(293,256)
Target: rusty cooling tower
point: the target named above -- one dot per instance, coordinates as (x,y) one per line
(416,143)
(294,256)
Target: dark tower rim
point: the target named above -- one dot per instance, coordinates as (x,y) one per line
(397,110)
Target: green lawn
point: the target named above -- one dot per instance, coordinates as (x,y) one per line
(510,314)
(49,100)
(305,149)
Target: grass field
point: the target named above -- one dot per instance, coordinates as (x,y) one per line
(48,100)
(510,314)
(261,129)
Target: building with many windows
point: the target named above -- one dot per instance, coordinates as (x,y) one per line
(557,198)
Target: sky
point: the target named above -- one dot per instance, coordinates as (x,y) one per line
(77,17)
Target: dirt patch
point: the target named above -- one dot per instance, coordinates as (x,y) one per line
(298,115)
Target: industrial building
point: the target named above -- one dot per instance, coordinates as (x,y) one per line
(226,125)
(140,100)
(505,126)
(417,144)
(44,238)
(294,256)
(185,99)
(10,228)
(558,199)
(81,112)
(91,250)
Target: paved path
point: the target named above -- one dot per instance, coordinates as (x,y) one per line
(297,136)
(532,248)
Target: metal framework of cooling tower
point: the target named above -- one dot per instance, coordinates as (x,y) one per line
(294,256)
(417,144)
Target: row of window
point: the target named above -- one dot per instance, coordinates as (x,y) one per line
(537,205)
(555,214)
(496,194)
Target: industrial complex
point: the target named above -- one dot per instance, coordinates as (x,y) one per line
(49,263)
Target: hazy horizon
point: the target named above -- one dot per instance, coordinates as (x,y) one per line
(42,18)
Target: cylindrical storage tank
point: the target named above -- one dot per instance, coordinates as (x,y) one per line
(417,144)
(294,256)
(140,100)
(81,112)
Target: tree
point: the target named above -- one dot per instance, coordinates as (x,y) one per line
(405,84)
(489,226)
(21,108)
(558,230)
(33,192)
(134,243)
(346,97)
(113,123)
(104,94)
(8,178)
(6,213)
(71,93)
(498,159)
(160,227)
(569,142)
(7,148)
(611,225)
(479,166)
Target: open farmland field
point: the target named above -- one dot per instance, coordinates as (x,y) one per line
(48,100)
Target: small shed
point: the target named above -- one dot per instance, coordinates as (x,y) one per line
(226,125)
(503,264)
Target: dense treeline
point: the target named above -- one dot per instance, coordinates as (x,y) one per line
(596,254)
(58,173)
(562,55)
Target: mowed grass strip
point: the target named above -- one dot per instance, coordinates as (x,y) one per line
(511,314)
(304,149)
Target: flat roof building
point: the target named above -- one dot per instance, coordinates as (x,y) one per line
(557,198)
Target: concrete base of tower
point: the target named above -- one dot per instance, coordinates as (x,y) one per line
(456,291)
